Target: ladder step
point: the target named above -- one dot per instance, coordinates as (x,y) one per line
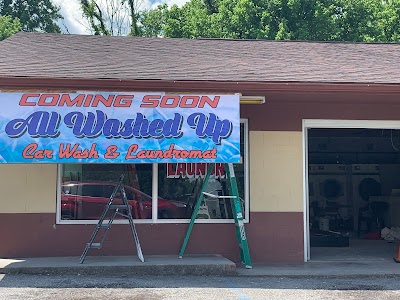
(124,210)
(105,226)
(94,245)
(120,206)
(123,215)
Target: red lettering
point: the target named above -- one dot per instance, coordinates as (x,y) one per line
(170,101)
(132,149)
(67,152)
(165,103)
(195,154)
(184,153)
(92,152)
(209,154)
(212,103)
(93,100)
(190,170)
(88,100)
(111,152)
(123,100)
(214,153)
(194,101)
(176,153)
(181,170)
(150,101)
(66,100)
(47,153)
(200,170)
(24,100)
(168,153)
(54,99)
(31,151)
(219,170)
(170,171)
(141,154)
(100,98)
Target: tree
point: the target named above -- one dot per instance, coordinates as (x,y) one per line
(34,15)
(112,17)
(8,26)
(322,20)
(389,21)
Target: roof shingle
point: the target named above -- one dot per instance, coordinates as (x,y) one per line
(40,55)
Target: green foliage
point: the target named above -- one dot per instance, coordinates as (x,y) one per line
(93,13)
(322,20)
(153,20)
(8,26)
(34,15)
(112,17)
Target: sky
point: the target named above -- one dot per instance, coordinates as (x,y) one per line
(74,22)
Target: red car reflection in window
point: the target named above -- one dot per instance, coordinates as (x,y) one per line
(86,201)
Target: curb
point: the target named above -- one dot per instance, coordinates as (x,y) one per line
(205,270)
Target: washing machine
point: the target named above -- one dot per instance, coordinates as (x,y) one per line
(331,194)
(366,183)
(332,184)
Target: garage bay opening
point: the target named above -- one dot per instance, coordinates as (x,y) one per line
(353,193)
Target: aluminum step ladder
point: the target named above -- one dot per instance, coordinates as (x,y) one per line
(124,210)
(236,211)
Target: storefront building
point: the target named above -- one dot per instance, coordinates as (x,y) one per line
(306,85)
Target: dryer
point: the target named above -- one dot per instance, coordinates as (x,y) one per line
(366,182)
(332,190)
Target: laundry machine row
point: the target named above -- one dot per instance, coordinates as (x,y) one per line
(341,192)
(328,192)
(366,183)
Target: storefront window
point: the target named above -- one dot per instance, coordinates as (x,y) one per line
(180,184)
(85,189)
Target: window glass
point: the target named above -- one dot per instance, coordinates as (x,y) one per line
(179,187)
(86,189)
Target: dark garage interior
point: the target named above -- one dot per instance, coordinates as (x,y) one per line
(354,193)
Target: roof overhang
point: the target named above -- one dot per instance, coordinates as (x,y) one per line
(245,88)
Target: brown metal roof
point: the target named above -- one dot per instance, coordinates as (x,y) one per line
(37,55)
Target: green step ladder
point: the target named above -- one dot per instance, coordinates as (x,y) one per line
(236,211)
(124,210)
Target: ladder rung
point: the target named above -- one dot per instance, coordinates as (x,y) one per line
(120,206)
(105,226)
(94,245)
(123,215)
(122,209)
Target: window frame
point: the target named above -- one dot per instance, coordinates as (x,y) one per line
(155,219)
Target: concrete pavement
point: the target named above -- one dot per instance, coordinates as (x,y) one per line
(60,287)
(324,269)
(193,265)
(123,265)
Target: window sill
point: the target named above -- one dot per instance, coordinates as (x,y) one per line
(161,221)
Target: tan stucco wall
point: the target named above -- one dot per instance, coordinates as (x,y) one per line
(28,188)
(276,172)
